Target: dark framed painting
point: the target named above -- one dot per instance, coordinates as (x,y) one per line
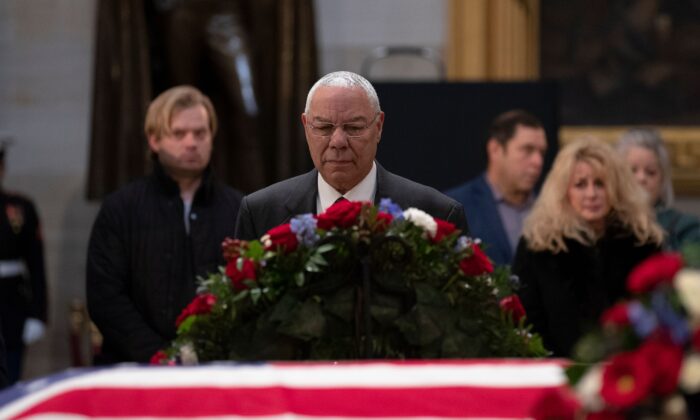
(622,63)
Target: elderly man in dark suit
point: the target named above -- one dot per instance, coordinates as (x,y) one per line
(343,125)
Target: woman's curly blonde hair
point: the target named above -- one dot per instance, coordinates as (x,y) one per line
(552,219)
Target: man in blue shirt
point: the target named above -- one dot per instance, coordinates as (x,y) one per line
(497,201)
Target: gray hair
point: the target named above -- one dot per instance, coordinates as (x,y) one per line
(651,140)
(345,79)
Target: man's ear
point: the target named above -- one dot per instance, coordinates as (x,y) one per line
(306,127)
(153,143)
(493,148)
(380,125)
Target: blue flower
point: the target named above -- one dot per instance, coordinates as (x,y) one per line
(304,226)
(463,243)
(677,325)
(514,281)
(643,320)
(388,206)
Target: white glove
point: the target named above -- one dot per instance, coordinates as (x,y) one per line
(33,330)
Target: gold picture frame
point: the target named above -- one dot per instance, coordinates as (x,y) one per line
(683,143)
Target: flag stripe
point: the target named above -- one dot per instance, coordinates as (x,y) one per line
(455,388)
(352,402)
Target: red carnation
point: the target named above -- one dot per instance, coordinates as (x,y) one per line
(233,248)
(627,380)
(657,269)
(342,214)
(477,263)
(616,315)
(283,238)
(201,304)
(237,276)
(513,305)
(665,359)
(444,228)
(161,358)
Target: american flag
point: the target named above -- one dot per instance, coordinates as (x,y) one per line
(478,389)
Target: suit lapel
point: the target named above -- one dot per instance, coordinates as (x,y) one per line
(385,188)
(491,217)
(380,187)
(302,197)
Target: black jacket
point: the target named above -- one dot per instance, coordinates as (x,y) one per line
(564,294)
(142,265)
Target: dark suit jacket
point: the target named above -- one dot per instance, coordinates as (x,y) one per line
(484,220)
(564,294)
(276,204)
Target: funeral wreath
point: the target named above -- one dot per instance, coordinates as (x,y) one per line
(357,281)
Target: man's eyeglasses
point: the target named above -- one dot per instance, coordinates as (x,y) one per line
(352,130)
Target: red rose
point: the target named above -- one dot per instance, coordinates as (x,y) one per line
(657,269)
(342,214)
(383,220)
(161,358)
(627,380)
(513,305)
(665,360)
(616,315)
(283,238)
(233,248)
(237,276)
(444,228)
(201,304)
(477,263)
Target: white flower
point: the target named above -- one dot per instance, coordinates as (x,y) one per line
(689,378)
(588,389)
(421,219)
(674,406)
(687,282)
(266,241)
(188,355)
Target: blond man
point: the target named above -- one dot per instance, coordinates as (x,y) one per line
(153,237)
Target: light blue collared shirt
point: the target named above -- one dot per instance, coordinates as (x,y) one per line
(512,217)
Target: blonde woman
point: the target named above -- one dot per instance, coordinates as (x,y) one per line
(589,227)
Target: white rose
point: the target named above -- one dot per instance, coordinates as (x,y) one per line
(687,283)
(421,219)
(588,389)
(689,378)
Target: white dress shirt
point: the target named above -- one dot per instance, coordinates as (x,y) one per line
(364,191)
